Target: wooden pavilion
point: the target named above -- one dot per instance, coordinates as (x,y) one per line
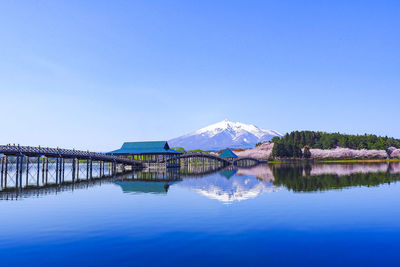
(151,153)
(228,154)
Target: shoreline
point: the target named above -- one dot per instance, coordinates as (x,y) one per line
(334,161)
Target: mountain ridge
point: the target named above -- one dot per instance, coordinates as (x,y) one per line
(224,134)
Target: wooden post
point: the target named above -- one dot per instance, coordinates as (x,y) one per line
(77,169)
(38,171)
(27,171)
(47,170)
(57,171)
(63,169)
(5,172)
(2,171)
(73,169)
(91,168)
(60,170)
(43,169)
(87,169)
(17,173)
(21,170)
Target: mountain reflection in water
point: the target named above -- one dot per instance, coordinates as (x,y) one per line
(238,184)
(236,187)
(235,184)
(265,215)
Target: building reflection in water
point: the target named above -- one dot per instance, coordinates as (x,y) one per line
(234,184)
(137,187)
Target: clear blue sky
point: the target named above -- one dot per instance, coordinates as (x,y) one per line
(92,74)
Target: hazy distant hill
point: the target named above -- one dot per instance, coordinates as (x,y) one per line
(222,135)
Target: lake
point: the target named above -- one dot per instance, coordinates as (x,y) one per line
(277,214)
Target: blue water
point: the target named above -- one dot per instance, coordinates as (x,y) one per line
(243,218)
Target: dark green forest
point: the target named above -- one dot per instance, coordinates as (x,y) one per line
(291,144)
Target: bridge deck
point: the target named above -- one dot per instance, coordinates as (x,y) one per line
(63,153)
(12,150)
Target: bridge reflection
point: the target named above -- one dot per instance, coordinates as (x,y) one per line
(229,183)
(50,184)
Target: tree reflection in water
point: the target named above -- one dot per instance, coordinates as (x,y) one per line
(320,177)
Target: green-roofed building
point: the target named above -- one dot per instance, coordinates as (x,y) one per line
(153,153)
(228,154)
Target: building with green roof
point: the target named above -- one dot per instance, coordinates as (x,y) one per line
(228,154)
(151,152)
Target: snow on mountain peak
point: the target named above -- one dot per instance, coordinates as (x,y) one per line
(224,134)
(234,128)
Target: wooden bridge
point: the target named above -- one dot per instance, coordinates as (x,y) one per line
(28,151)
(26,166)
(207,158)
(15,159)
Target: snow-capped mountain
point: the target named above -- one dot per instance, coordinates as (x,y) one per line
(222,135)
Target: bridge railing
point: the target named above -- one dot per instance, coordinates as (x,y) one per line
(16,150)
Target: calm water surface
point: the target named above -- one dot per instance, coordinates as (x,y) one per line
(267,215)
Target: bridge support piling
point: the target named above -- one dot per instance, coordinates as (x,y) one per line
(77,169)
(60,170)
(43,169)
(2,171)
(47,170)
(27,172)
(56,170)
(21,171)
(87,169)
(91,169)
(17,173)
(63,170)
(73,169)
(38,171)
(5,171)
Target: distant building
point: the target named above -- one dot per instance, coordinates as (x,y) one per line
(152,152)
(228,154)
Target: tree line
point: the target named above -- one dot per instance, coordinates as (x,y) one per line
(292,143)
